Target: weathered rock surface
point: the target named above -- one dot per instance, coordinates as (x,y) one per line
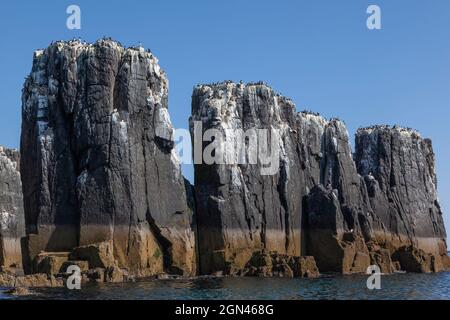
(50,263)
(12,225)
(338,220)
(281,193)
(347,213)
(240,210)
(272,264)
(108,275)
(98,163)
(99,255)
(398,167)
(83,265)
(335,248)
(37,280)
(7,280)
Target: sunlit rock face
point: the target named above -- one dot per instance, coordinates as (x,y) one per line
(398,166)
(12,227)
(321,200)
(241,207)
(98,162)
(101,178)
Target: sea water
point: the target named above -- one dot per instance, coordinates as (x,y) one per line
(407,286)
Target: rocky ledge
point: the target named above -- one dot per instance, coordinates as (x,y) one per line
(100,185)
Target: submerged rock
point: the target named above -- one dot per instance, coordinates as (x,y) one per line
(98,163)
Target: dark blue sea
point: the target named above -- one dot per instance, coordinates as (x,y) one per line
(406,286)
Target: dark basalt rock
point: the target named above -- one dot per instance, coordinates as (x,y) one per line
(98,162)
(239,210)
(12,225)
(102,184)
(339,215)
(319,202)
(398,166)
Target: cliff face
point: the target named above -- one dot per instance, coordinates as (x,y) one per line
(398,166)
(380,209)
(338,219)
(12,226)
(102,185)
(98,162)
(239,209)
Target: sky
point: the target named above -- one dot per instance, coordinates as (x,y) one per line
(319,53)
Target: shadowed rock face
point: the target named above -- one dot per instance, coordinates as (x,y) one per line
(12,226)
(98,162)
(338,219)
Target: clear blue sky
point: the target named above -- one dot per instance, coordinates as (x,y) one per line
(319,53)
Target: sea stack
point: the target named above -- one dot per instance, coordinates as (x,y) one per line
(313,204)
(99,169)
(277,192)
(12,225)
(242,209)
(347,211)
(398,166)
